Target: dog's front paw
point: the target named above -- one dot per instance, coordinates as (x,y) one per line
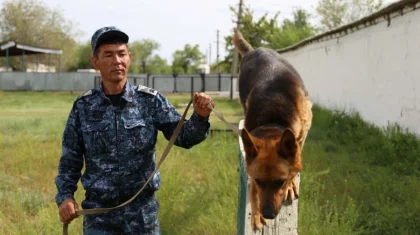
(258,221)
(292,191)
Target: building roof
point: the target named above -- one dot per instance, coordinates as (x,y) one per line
(16,49)
(385,14)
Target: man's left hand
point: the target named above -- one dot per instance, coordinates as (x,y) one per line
(200,103)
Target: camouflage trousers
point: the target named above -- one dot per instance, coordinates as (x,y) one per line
(138,217)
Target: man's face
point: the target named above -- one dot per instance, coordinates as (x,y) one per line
(113,61)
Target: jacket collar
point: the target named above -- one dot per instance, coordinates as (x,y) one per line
(127,95)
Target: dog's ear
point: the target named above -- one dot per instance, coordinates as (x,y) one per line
(287,147)
(249,146)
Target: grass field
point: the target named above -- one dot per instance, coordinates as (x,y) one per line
(357,179)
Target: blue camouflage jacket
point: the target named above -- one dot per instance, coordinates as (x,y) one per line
(117,144)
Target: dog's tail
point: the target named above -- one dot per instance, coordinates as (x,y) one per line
(240,43)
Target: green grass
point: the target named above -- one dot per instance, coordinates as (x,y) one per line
(199,188)
(31,125)
(357,179)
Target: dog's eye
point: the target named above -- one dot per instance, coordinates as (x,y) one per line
(279,183)
(259,182)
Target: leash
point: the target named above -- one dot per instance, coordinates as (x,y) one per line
(220,116)
(164,155)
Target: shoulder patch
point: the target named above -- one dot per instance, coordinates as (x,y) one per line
(89,92)
(146,90)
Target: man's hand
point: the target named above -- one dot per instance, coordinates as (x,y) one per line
(67,210)
(200,102)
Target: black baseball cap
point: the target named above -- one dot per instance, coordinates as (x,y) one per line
(108,34)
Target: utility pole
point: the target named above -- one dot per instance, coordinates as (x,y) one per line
(217,56)
(210,54)
(235,53)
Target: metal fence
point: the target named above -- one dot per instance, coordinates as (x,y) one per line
(181,83)
(81,81)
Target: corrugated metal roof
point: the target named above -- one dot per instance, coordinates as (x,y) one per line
(397,8)
(16,48)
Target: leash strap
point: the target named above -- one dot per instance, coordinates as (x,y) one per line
(164,155)
(220,116)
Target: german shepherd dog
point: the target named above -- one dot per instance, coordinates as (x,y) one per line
(278,116)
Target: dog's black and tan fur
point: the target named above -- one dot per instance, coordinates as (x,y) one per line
(278,117)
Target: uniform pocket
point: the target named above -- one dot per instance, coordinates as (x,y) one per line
(140,134)
(150,214)
(97,137)
(91,180)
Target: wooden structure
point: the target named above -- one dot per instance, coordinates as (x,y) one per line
(286,222)
(13,48)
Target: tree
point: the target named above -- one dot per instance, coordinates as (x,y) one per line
(32,22)
(143,52)
(256,32)
(184,59)
(84,53)
(265,32)
(335,13)
(144,57)
(157,65)
(292,31)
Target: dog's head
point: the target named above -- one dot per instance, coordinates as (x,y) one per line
(272,160)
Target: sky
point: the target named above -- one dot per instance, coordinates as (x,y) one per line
(171,23)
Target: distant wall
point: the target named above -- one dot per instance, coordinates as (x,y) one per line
(374,70)
(46,81)
(80,81)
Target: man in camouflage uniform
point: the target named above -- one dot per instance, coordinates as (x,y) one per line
(113,130)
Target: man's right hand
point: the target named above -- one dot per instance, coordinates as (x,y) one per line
(67,210)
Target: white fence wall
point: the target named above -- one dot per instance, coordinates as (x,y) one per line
(374,70)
